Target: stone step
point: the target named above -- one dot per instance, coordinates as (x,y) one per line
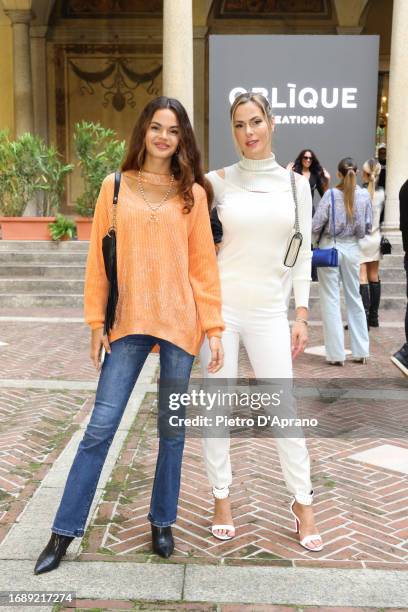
(27,300)
(388,289)
(42,286)
(31,300)
(392,274)
(44,246)
(393,261)
(387,303)
(48,286)
(48,271)
(44,258)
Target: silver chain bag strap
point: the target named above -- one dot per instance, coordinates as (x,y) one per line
(296,239)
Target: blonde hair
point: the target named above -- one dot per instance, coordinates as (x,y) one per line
(347,168)
(261,101)
(372,169)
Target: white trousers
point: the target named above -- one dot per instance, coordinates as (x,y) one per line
(266,338)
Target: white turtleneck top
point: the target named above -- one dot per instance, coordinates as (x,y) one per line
(256,208)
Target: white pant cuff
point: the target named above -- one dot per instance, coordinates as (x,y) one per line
(221,492)
(304,498)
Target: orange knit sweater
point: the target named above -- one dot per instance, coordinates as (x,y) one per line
(167,270)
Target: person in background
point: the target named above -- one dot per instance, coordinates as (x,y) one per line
(400,358)
(370,284)
(307,164)
(353,218)
(382,158)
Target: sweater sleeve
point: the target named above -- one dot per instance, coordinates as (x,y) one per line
(96,283)
(301,271)
(203,269)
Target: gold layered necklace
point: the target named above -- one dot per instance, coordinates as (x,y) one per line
(154,206)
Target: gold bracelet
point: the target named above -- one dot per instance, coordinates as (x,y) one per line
(302,321)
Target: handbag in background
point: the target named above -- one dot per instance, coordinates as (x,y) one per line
(327,258)
(385,246)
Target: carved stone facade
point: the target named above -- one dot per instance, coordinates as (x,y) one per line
(105,83)
(247,9)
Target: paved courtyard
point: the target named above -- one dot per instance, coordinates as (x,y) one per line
(47,387)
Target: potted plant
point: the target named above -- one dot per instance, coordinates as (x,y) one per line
(99,153)
(29,170)
(51,185)
(62,228)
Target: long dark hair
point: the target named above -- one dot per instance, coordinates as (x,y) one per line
(315,167)
(347,168)
(185,164)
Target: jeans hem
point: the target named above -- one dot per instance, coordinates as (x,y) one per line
(64,532)
(160,523)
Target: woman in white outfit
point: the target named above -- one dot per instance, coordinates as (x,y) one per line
(352,220)
(255,205)
(370,284)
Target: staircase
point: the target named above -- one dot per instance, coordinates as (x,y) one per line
(36,273)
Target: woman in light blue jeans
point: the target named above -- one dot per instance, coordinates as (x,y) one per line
(353,218)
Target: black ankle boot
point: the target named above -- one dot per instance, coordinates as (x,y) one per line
(52,554)
(365,296)
(162,541)
(375,297)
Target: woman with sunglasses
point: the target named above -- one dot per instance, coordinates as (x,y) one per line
(307,164)
(169,294)
(256,210)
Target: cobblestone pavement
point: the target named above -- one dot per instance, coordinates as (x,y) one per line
(361,508)
(106,605)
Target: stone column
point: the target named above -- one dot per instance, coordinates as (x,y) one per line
(200,90)
(178,52)
(23,87)
(397,129)
(39,68)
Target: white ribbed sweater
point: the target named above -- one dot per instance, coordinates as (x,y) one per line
(256,229)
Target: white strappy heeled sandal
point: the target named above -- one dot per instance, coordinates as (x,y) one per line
(307,539)
(222,493)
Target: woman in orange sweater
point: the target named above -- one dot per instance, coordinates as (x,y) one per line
(169,294)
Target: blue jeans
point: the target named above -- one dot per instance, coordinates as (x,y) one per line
(119,373)
(348,272)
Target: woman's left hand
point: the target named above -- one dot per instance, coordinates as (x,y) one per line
(299,338)
(217,355)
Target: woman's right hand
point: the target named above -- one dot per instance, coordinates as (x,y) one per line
(98,341)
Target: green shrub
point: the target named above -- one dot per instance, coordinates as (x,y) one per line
(99,154)
(52,181)
(19,172)
(28,167)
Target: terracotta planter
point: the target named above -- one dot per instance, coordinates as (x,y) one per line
(25,228)
(84,225)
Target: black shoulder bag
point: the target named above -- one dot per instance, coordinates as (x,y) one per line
(109,258)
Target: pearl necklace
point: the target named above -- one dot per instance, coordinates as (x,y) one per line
(153,209)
